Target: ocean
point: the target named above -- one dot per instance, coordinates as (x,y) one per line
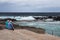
(29,13)
(52,28)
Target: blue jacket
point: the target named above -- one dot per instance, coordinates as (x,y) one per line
(10,25)
(6,24)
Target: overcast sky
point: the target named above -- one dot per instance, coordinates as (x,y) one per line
(29,5)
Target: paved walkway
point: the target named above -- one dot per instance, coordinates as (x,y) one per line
(23,34)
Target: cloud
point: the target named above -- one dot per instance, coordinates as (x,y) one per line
(30,5)
(39,3)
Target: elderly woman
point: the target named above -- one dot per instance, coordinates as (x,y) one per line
(6,24)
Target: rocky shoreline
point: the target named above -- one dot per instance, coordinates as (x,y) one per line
(25,33)
(33,29)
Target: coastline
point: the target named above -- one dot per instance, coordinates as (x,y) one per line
(49,27)
(23,34)
(26,33)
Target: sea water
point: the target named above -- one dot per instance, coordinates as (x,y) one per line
(52,28)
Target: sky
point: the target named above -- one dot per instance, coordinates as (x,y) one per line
(29,5)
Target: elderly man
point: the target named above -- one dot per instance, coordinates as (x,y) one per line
(10,25)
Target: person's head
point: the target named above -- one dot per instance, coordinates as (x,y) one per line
(7,20)
(10,21)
